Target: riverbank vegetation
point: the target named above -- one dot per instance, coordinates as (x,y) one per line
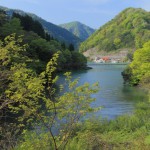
(29,99)
(125,132)
(31,111)
(138,72)
(29,61)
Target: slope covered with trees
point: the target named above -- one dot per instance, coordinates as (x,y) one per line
(29,99)
(57,32)
(28,94)
(129,29)
(41,45)
(78,29)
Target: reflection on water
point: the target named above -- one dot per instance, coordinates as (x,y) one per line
(114,96)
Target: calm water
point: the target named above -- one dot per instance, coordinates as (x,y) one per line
(115,97)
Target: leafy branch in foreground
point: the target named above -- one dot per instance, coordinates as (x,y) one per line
(32,99)
(61,113)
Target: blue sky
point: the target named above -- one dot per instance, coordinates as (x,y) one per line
(93,13)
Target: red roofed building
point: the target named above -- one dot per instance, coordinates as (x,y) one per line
(106,59)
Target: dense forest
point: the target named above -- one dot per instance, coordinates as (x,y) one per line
(57,32)
(41,45)
(78,29)
(38,113)
(129,29)
(29,61)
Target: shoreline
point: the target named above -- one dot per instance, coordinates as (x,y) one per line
(94,63)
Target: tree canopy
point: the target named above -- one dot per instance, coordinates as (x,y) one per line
(129,29)
(138,72)
(141,65)
(31,99)
(41,46)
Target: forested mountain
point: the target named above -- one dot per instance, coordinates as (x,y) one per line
(78,29)
(41,46)
(129,29)
(57,32)
(34,105)
(29,63)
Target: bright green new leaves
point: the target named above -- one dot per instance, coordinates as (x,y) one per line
(26,89)
(34,98)
(78,29)
(65,110)
(141,64)
(76,101)
(12,51)
(129,29)
(11,54)
(20,85)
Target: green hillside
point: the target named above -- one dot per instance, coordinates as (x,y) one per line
(41,46)
(78,29)
(129,29)
(57,32)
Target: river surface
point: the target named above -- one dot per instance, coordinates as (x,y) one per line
(115,97)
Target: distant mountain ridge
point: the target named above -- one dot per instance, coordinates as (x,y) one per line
(57,32)
(129,29)
(78,29)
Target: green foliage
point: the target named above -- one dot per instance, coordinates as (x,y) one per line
(129,29)
(31,98)
(78,29)
(130,55)
(125,132)
(66,59)
(39,50)
(12,51)
(55,32)
(55,117)
(139,70)
(27,92)
(71,47)
(141,63)
(117,42)
(3,17)
(29,24)
(63,45)
(79,61)
(11,54)
(34,140)
(13,26)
